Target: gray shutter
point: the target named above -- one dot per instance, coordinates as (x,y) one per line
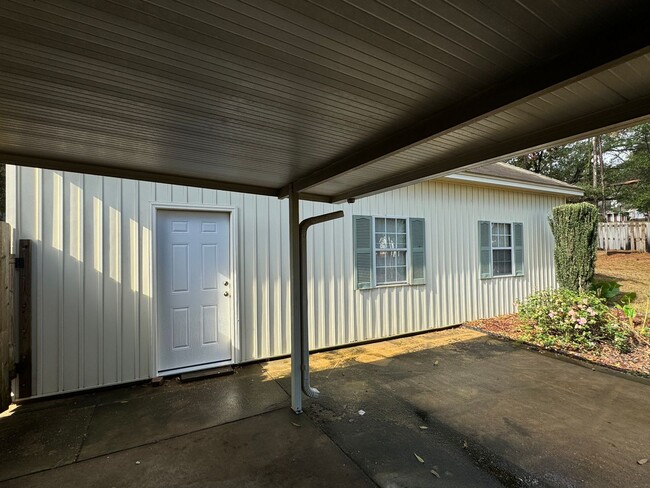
(363,249)
(518,245)
(485,243)
(418,256)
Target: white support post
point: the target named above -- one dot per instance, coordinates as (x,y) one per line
(294,266)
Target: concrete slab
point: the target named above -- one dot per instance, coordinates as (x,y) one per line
(493,413)
(33,440)
(525,417)
(565,424)
(123,421)
(387,440)
(261,451)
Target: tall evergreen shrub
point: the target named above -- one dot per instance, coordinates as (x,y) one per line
(575,227)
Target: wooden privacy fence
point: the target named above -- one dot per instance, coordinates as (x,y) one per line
(624,236)
(7,339)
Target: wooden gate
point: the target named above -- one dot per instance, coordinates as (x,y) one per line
(623,236)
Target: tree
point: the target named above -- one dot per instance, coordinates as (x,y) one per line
(632,176)
(569,163)
(609,167)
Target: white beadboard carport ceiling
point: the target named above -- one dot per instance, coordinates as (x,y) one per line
(338,98)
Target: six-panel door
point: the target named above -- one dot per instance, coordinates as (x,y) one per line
(194,290)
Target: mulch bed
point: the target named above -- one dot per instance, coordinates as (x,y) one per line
(510,327)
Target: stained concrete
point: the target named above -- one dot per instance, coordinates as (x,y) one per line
(265,450)
(526,417)
(493,414)
(172,409)
(51,433)
(41,439)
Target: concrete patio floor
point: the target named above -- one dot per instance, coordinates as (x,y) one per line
(476,410)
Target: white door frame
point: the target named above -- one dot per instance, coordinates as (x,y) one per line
(234,303)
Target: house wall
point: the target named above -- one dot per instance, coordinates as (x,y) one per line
(93,269)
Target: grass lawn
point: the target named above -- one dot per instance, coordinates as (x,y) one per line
(632,272)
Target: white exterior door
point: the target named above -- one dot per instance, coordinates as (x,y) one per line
(194,289)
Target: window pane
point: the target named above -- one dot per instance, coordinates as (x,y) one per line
(381,276)
(401,226)
(390,225)
(401,258)
(381,259)
(495,235)
(380,225)
(390,275)
(507,232)
(501,235)
(401,240)
(501,262)
(384,241)
(401,273)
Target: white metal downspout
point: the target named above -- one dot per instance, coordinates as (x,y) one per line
(309,390)
(298,276)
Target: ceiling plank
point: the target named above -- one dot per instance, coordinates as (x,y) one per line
(593,55)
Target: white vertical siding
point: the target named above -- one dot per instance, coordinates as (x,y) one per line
(93,269)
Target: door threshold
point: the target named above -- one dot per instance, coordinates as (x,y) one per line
(206,373)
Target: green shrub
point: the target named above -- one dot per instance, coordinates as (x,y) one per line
(574,320)
(575,227)
(608,290)
(611,292)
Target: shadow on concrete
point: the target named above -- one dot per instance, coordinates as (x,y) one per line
(477,411)
(522,416)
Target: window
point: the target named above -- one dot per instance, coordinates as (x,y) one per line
(388,251)
(501,249)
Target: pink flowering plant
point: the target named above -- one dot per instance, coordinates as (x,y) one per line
(569,319)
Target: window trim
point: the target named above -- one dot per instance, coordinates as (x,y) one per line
(375,249)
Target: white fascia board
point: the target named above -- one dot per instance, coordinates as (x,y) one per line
(519,185)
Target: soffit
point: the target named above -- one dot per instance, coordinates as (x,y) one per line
(255,96)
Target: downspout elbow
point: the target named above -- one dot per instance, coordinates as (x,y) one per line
(308,390)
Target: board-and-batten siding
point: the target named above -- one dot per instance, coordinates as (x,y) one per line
(93,266)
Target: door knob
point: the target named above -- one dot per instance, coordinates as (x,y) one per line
(225,294)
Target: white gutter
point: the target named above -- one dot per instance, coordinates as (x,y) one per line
(520,185)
